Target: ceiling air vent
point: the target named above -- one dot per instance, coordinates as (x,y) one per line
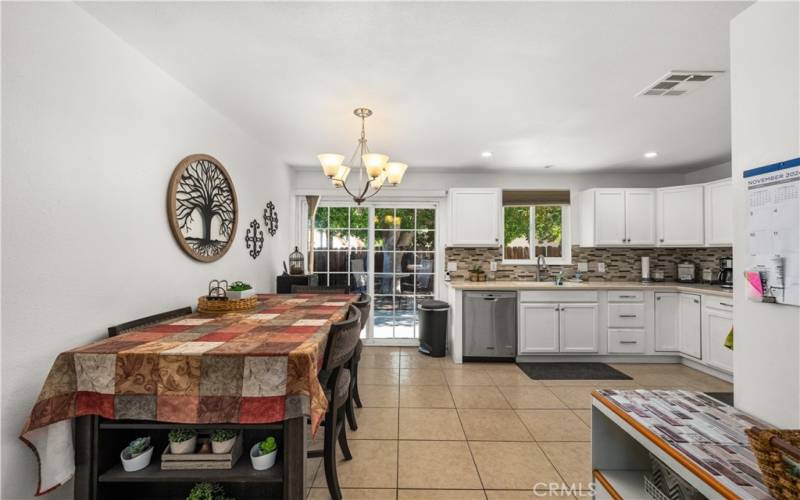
(678,82)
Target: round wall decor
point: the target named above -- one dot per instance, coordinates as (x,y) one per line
(271,219)
(202,208)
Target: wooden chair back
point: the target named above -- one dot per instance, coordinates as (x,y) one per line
(113,331)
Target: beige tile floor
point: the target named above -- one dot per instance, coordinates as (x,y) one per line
(434,430)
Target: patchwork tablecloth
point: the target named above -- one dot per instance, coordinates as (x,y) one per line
(250,367)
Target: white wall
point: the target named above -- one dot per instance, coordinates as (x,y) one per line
(708,174)
(91,133)
(765,85)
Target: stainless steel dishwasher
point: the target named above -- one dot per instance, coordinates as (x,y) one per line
(490,324)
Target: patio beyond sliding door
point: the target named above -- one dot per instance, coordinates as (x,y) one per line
(388,252)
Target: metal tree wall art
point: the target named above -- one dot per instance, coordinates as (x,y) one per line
(271,219)
(202,207)
(254,237)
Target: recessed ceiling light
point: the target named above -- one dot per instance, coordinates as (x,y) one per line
(650,154)
(486,154)
(548,166)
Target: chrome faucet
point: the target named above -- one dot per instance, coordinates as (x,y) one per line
(541,265)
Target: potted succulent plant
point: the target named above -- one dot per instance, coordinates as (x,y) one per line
(182,441)
(263,454)
(137,455)
(207,491)
(240,290)
(222,440)
(476,273)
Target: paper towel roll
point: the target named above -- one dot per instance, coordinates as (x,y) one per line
(645,268)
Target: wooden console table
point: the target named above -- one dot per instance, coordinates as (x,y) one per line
(699,438)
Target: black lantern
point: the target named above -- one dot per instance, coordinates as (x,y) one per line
(296,262)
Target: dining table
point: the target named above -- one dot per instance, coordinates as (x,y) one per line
(236,370)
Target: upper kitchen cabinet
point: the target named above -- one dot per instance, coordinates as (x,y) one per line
(719,213)
(618,217)
(680,216)
(474,217)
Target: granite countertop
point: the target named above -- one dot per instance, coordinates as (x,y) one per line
(665,286)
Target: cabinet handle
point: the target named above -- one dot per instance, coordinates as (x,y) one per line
(628,342)
(627,315)
(658,298)
(696,301)
(661,240)
(556,309)
(725,304)
(627,296)
(623,240)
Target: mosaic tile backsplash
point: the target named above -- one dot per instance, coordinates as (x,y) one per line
(622,264)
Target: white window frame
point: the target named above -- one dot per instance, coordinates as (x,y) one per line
(566,237)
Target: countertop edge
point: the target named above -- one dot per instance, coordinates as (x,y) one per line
(609,285)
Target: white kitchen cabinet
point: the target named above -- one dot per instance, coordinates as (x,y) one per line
(718,213)
(474,217)
(717,322)
(640,216)
(609,217)
(618,217)
(680,219)
(689,326)
(538,328)
(667,324)
(578,327)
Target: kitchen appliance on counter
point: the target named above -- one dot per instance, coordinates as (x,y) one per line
(686,272)
(490,325)
(725,272)
(646,270)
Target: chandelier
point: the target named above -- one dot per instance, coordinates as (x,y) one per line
(374,169)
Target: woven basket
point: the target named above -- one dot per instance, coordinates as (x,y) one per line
(772,455)
(225,306)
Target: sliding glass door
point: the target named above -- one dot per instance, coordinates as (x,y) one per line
(386,251)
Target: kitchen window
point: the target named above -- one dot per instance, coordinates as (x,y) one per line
(536,223)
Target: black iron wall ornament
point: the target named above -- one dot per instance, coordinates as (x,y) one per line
(202,207)
(254,237)
(271,219)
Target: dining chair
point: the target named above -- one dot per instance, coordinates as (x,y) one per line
(113,331)
(318,289)
(363,304)
(342,340)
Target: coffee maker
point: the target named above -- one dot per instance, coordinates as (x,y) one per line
(725,272)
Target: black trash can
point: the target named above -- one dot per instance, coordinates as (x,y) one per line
(433,327)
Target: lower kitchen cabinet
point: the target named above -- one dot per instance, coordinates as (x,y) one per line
(538,328)
(551,327)
(667,324)
(689,326)
(717,322)
(578,327)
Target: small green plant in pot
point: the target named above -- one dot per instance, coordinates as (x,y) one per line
(222,440)
(240,290)
(207,491)
(476,273)
(264,453)
(182,441)
(137,455)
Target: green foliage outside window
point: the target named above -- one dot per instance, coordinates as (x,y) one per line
(516,225)
(548,224)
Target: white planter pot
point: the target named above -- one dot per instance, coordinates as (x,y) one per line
(241,295)
(262,462)
(223,446)
(138,462)
(183,447)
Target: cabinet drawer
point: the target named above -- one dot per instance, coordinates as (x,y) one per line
(625,341)
(623,296)
(719,303)
(626,315)
(557,296)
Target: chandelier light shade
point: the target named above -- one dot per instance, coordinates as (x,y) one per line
(395,171)
(374,169)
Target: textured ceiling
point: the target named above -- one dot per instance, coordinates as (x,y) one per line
(535,83)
